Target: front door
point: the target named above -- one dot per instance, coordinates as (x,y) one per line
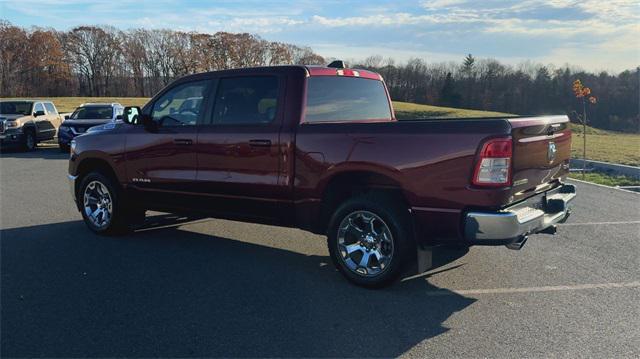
(46,130)
(162,159)
(239,153)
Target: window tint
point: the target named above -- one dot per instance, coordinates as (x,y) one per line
(50,108)
(332,98)
(38,107)
(16,108)
(181,105)
(246,100)
(93,113)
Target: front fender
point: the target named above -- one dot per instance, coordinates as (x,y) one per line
(94,149)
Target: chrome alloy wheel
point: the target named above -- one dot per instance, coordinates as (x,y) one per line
(98,205)
(365,243)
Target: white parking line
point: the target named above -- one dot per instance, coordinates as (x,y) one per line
(597,223)
(535,289)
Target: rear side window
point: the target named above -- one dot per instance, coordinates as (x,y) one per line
(334,99)
(246,100)
(50,109)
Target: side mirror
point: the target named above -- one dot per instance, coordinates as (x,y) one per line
(38,113)
(131,115)
(119,117)
(66,117)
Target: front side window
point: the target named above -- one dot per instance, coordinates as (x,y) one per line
(93,113)
(180,106)
(50,108)
(246,100)
(336,99)
(38,107)
(15,108)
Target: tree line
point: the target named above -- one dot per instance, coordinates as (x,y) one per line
(525,89)
(105,61)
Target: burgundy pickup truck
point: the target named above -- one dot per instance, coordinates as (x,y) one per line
(319,148)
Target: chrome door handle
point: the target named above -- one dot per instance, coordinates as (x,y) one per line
(259,143)
(183,141)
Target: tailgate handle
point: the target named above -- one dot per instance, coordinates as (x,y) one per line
(260,143)
(183,141)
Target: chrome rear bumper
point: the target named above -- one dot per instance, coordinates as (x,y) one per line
(515,223)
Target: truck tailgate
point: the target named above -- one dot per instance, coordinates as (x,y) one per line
(541,152)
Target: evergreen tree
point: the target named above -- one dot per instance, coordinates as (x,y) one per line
(448,95)
(467,65)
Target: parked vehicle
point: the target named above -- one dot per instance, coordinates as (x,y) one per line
(319,148)
(84,117)
(24,123)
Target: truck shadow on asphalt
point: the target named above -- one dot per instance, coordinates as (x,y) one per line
(174,293)
(47,152)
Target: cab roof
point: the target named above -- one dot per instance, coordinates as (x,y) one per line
(305,70)
(112,104)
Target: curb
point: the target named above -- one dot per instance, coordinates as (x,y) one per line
(602,185)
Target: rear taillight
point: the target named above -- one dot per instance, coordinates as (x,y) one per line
(493,168)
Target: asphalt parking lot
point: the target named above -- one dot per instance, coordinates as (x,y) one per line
(220,288)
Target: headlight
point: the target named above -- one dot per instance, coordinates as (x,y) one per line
(11,124)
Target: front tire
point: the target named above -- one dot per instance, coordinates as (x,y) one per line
(101,205)
(370,240)
(29,142)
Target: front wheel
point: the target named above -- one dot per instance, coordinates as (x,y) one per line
(370,240)
(29,142)
(102,209)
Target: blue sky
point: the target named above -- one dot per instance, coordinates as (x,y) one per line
(591,34)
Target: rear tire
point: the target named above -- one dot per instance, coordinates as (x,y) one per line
(29,141)
(101,205)
(370,240)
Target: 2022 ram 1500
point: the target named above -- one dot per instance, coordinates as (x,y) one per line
(318,148)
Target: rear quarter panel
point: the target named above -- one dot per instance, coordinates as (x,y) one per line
(432,161)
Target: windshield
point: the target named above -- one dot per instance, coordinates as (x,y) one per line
(92,113)
(15,108)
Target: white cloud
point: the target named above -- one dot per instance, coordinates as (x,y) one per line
(254,24)
(441,4)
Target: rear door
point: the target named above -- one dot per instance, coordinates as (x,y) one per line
(164,160)
(52,115)
(239,153)
(541,152)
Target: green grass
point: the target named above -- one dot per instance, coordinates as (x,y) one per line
(68,104)
(406,110)
(606,179)
(611,147)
